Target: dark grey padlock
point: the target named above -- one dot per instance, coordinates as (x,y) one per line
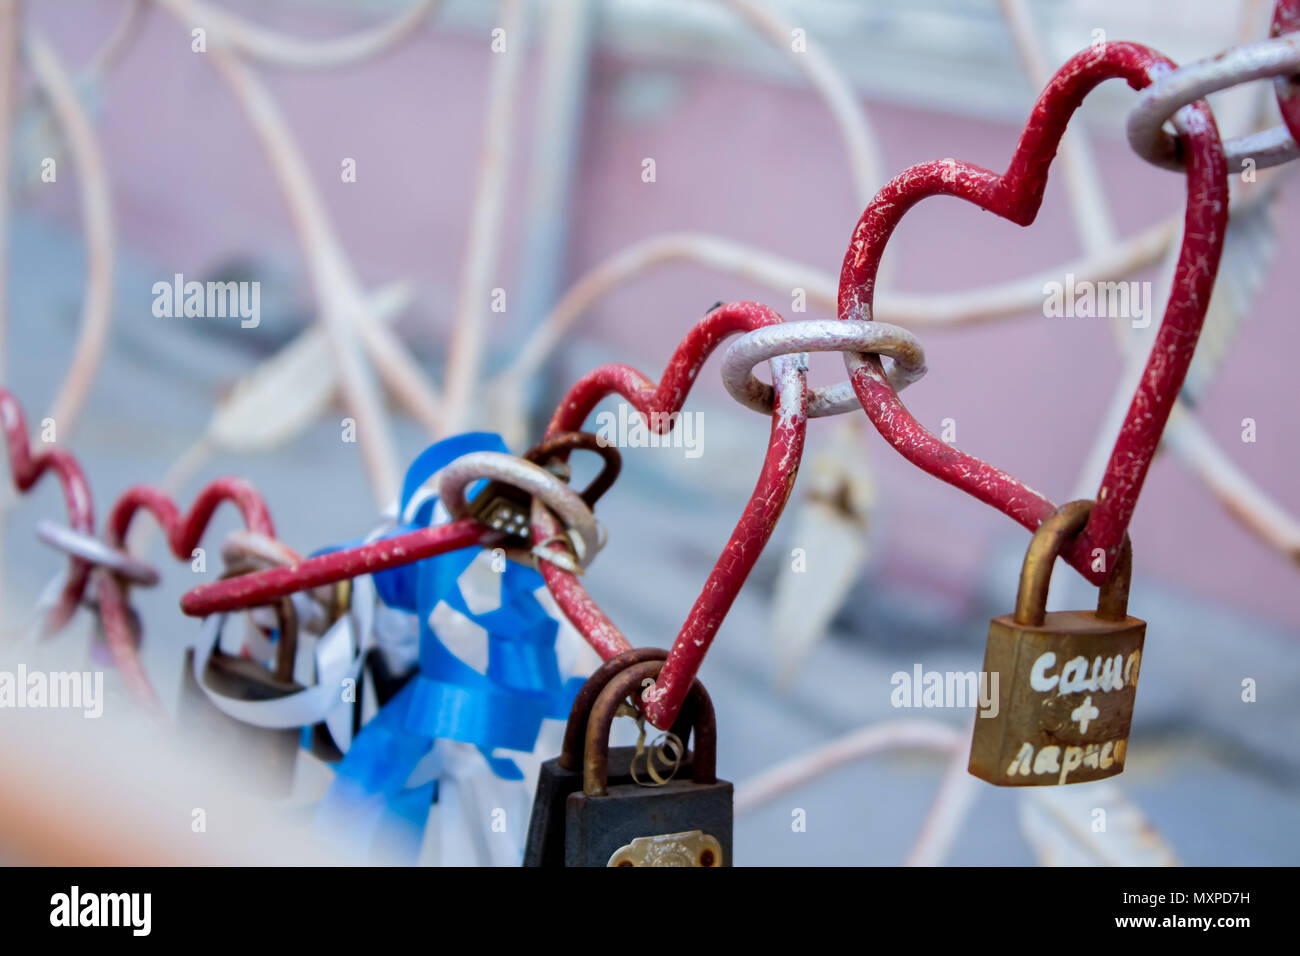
(562,775)
(685,822)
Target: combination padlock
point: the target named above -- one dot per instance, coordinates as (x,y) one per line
(562,775)
(268,753)
(1066,680)
(684,822)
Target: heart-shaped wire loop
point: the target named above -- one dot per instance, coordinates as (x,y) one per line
(1016,195)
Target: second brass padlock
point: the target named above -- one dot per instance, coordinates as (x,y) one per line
(1065,681)
(684,822)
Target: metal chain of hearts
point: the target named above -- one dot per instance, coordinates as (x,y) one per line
(106,562)
(1015,195)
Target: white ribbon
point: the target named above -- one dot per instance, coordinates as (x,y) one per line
(340,655)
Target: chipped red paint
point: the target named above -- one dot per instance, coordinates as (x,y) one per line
(572,598)
(664,698)
(265,587)
(1016,195)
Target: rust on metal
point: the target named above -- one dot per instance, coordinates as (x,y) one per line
(595,765)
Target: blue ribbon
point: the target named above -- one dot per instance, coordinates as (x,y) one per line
(447,699)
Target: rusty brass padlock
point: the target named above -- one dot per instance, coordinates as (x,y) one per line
(562,775)
(1066,680)
(683,822)
(505,508)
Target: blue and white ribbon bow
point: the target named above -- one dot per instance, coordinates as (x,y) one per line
(501,708)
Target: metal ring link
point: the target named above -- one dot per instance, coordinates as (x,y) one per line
(536,481)
(1164,98)
(96,552)
(819,335)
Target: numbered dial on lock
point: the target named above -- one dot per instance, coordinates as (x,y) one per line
(1066,681)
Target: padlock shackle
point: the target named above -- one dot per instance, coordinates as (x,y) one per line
(595,764)
(1036,572)
(286,645)
(575,731)
(558,447)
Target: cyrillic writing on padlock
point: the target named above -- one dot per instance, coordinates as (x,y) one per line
(1067,680)
(1066,701)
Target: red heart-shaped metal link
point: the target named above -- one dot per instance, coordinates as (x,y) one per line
(183,534)
(1016,195)
(27,469)
(780,465)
